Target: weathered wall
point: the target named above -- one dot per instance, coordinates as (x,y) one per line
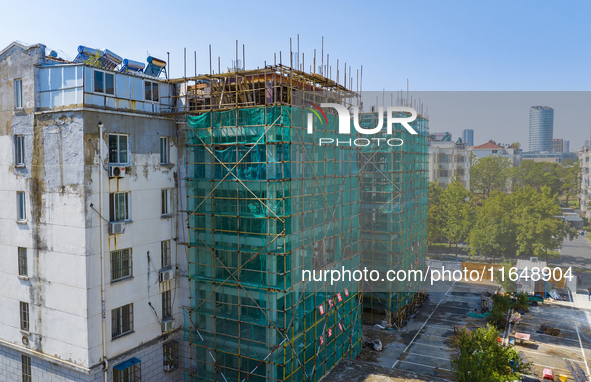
(144,179)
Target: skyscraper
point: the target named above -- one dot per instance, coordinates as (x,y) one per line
(468,137)
(541,126)
(566,146)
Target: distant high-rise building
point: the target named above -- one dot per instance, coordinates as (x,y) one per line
(541,126)
(566,146)
(468,137)
(557,145)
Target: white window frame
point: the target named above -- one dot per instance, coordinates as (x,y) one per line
(117,268)
(18,93)
(113,204)
(120,318)
(165,202)
(118,162)
(21,206)
(25,316)
(165,254)
(152,84)
(104,74)
(19,150)
(23,267)
(164,151)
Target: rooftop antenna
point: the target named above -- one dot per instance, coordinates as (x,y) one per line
(195,52)
(322,62)
(243,57)
(185,74)
(210,59)
(290,55)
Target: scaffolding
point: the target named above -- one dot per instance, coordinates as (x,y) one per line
(394,192)
(266,202)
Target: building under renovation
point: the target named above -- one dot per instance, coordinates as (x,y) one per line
(157,203)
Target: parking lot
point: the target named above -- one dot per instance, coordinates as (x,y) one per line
(423,345)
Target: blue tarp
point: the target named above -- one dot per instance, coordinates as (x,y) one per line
(124,365)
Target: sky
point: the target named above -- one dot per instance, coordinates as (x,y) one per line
(436,45)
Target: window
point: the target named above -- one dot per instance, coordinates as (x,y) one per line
(122,320)
(25,316)
(586,159)
(494,151)
(104,82)
(22,262)
(119,206)
(26,367)
(165,254)
(121,264)
(118,149)
(164,202)
(164,151)
(443,158)
(460,159)
(151,91)
(166,305)
(460,172)
(443,173)
(170,351)
(21,206)
(18,94)
(128,371)
(19,150)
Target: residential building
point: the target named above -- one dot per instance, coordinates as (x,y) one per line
(447,161)
(88,220)
(541,127)
(557,145)
(468,137)
(512,152)
(549,157)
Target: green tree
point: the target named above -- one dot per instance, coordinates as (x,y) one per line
(571,178)
(489,174)
(457,212)
(538,228)
(483,358)
(435,218)
(538,175)
(494,231)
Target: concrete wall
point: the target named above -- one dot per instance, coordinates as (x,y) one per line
(144,179)
(60,179)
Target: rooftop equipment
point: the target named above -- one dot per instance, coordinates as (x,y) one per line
(155,67)
(132,66)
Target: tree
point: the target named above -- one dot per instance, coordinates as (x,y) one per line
(571,178)
(538,228)
(494,231)
(435,218)
(489,174)
(483,358)
(457,211)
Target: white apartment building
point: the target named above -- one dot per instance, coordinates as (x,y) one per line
(88,223)
(585,195)
(491,148)
(448,160)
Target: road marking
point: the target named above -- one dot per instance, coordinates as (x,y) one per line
(424,323)
(578,335)
(430,356)
(420,364)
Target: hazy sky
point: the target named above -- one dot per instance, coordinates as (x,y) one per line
(449,45)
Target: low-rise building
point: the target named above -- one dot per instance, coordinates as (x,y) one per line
(512,152)
(447,161)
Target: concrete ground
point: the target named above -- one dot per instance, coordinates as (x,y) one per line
(422,347)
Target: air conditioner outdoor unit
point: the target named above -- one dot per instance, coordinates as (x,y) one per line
(116,228)
(166,275)
(116,171)
(167,325)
